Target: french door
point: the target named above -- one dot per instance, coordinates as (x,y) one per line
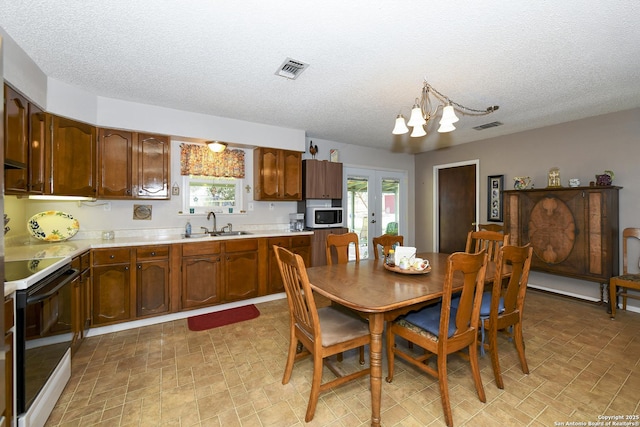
(376,203)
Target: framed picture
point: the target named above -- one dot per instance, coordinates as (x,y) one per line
(494,202)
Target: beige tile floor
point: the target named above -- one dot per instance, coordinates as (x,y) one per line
(583,366)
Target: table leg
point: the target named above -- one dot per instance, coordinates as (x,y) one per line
(376,327)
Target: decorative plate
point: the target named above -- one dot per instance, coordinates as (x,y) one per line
(53,226)
(411,270)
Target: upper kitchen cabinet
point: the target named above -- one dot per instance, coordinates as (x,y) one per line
(133,165)
(73,158)
(37,152)
(16,148)
(322,179)
(277,174)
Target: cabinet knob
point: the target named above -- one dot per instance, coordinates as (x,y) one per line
(153,254)
(139,266)
(112,256)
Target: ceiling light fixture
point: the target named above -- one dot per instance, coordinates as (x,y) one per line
(216,146)
(426,107)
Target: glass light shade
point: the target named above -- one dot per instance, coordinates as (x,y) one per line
(400,127)
(446,127)
(216,146)
(448,116)
(416,118)
(418,131)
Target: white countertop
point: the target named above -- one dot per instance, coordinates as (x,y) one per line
(73,247)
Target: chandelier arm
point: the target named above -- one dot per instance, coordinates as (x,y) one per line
(462,108)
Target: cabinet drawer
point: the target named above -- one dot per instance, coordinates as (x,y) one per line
(152,252)
(111,256)
(299,241)
(205,248)
(8,314)
(283,242)
(241,245)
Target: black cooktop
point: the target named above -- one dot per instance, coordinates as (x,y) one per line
(21,269)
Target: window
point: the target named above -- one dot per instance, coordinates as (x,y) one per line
(204,194)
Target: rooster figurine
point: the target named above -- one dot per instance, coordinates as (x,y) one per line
(313,149)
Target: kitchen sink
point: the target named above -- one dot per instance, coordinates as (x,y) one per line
(229,233)
(196,235)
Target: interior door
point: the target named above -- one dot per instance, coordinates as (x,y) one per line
(376,203)
(457,200)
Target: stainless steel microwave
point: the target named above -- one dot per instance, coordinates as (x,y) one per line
(324,217)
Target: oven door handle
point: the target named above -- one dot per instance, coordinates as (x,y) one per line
(41,297)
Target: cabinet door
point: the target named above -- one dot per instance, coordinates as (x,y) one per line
(114,155)
(16,145)
(241,269)
(111,294)
(265,175)
(274,283)
(333,180)
(201,278)
(37,152)
(313,176)
(8,358)
(291,175)
(152,288)
(77,321)
(151,167)
(73,158)
(319,244)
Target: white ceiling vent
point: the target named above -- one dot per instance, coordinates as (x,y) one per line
(488,125)
(291,68)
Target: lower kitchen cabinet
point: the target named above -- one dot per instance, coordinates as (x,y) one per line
(241,269)
(319,245)
(112,290)
(300,245)
(152,280)
(80,299)
(201,276)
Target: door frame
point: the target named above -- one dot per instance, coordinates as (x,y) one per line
(436,196)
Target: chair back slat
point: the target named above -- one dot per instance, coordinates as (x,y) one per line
(339,244)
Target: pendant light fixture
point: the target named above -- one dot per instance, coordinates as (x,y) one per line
(216,146)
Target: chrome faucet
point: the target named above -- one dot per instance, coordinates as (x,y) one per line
(215,230)
(229,227)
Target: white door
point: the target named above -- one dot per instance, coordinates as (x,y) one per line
(376,203)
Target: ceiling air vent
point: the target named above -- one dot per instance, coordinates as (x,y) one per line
(488,125)
(291,68)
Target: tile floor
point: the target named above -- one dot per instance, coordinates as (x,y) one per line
(582,365)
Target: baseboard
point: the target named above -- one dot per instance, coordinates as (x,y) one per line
(575,296)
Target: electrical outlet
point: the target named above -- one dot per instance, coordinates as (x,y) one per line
(250,207)
(272,206)
(107,206)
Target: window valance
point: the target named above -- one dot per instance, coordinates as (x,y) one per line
(200,161)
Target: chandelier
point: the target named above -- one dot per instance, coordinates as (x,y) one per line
(425,109)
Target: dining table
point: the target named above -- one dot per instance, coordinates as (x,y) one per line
(381,295)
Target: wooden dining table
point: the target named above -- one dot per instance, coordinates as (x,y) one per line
(382,295)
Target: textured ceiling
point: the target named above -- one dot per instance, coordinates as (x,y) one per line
(542,62)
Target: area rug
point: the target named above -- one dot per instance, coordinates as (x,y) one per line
(222,318)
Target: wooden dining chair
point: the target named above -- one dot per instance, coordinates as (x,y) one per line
(339,244)
(386,241)
(506,304)
(323,332)
(490,241)
(441,330)
(491,227)
(619,285)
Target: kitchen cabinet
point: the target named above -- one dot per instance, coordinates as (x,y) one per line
(8,359)
(241,269)
(322,179)
(152,280)
(37,149)
(201,277)
(133,165)
(112,293)
(277,174)
(319,244)
(80,299)
(573,231)
(300,245)
(72,149)
(16,148)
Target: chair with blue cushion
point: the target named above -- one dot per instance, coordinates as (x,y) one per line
(507,304)
(441,330)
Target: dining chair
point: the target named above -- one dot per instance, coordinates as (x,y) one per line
(490,227)
(491,241)
(323,332)
(339,244)
(386,241)
(506,304)
(441,330)
(619,285)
